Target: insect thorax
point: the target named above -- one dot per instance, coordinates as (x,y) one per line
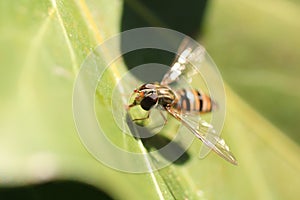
(165,96)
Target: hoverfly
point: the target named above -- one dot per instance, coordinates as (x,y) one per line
(182,103)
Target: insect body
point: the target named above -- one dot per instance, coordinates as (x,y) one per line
(181,104)
(192,100)
(182,101)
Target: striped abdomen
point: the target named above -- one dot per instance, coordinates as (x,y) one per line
(193,101)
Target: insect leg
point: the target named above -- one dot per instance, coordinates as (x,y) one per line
(165,119)
(127,107)
(147,117)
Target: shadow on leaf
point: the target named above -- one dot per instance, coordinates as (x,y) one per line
(54,190)
(157,142)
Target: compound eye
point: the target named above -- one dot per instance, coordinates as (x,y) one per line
(148,102)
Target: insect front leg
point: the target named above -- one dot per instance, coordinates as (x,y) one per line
(127,107)
(143,118)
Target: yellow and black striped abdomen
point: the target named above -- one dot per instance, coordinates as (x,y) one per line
(193,101)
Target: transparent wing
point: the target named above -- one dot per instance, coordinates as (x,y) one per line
(181,67)
(205,132)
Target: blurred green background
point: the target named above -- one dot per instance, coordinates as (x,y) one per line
(256,46)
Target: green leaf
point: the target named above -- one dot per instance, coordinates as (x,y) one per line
(261,63)
(43,45)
